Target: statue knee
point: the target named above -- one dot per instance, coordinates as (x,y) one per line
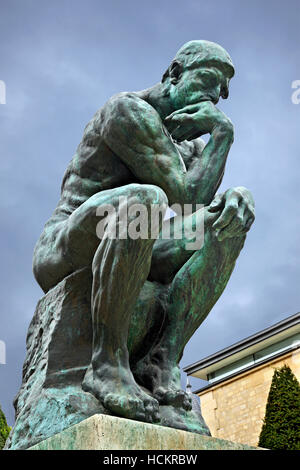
(136,212)
(148,195)
(145,194)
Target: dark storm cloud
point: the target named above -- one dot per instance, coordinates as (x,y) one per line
(61,61)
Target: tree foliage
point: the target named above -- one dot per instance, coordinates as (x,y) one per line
(281,427)
(4,429)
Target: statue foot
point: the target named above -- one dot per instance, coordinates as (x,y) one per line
(120,394)
(163,380)
(181,419)
(172,397)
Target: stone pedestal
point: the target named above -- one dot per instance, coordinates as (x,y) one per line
(59,343)
(59,346)
(101,432)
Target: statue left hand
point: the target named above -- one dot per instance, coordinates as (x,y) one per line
(236,207)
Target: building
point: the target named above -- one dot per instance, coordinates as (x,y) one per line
(233,402)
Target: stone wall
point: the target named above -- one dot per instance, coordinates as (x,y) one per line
(234,409)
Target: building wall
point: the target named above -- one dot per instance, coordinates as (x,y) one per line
(234,409)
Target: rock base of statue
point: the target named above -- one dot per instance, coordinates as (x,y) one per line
(59,346)
(100,432)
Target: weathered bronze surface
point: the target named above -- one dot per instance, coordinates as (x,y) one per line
(146,296)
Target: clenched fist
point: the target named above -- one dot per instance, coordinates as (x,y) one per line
(196,120)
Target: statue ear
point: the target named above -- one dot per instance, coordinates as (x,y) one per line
(175,71)
(225,90)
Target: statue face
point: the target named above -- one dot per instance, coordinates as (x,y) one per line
(202,83)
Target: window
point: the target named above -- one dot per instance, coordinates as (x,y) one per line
(256,358)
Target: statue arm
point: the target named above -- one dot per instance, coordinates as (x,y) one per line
(134,131)
(208,164)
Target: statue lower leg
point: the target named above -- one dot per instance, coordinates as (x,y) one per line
(193,292)
(120,268)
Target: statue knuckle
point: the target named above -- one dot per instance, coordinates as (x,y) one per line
(238,192)
(232,207)
(240,219)
(252,212)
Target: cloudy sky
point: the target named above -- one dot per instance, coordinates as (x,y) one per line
(61,60)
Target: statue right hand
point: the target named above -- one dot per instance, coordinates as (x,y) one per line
(196,120)
(236,212)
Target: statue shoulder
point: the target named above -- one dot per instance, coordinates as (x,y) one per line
(127,101)
(126,112)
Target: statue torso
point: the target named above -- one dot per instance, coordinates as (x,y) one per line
(95,168)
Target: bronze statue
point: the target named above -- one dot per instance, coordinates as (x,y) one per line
(149,295)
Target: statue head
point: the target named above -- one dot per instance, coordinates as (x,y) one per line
(200,71)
